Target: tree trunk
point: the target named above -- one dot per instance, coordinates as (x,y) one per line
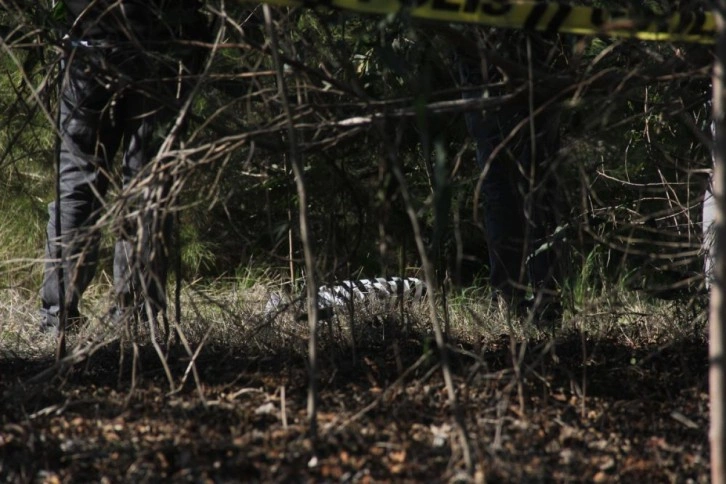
(717,335)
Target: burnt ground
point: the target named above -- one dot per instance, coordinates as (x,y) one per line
(579,408)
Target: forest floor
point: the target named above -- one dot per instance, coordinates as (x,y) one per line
(627,402)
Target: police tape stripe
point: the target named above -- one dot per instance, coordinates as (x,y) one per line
(696,27)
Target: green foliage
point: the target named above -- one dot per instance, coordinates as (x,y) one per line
(26,146)
(197,255)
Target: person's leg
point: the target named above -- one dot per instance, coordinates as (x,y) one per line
(536,187)
(149,105)
(141,252)
(501,204)
(504,223)
(88,142)
(539,191)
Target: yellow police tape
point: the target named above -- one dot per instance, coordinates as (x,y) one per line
(697,27)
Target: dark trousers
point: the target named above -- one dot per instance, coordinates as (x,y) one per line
(110,98)
(517,193)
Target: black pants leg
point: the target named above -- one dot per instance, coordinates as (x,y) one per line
(89,139)
(96,115)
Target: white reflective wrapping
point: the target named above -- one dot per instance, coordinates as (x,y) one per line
(410,288)
(362,290)
(274,303)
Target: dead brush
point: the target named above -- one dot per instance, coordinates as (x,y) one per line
(368,321)
(376,323)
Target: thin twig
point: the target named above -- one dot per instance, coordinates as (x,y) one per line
(305,234)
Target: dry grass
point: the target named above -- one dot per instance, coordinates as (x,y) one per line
(227,314)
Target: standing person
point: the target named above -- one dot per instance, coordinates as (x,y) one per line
(517,188)
(121,83)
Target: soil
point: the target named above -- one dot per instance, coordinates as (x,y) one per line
(574,409)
